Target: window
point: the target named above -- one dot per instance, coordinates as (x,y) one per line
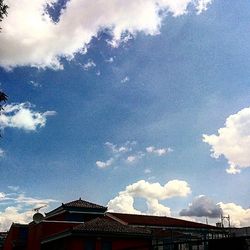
(89,245)
(106,245)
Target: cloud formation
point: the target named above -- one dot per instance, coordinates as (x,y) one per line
(233,141)
(135,157)
(152,193)
(18,208)
(30,37)
(158,151)
(126,147)
(14,214)
(89,65)
(202,206)
(22,116)
(2,153)
(128,154)
(239,216)
(125,79)
(104,164)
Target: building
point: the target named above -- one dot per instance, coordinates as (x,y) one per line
(3,236)
(82,225)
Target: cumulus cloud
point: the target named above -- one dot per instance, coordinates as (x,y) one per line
(158,151)
(22,116)
(233,141)
(102,164)
(202,206)
(31,38)
(152,193)
(239,216)
(13,214)
(155,208)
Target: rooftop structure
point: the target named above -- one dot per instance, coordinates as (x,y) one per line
(80,224)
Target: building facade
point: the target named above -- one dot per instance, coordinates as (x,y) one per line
(82,225)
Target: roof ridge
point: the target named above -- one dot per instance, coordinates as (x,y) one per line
(82,203)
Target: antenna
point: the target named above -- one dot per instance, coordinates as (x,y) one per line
(38,208)
(223,218)
(38,217)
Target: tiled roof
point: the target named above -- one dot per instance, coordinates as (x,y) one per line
(105,225)
(83,204)
(148,220)
(77,204)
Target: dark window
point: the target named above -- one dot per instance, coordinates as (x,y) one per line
(106,245)
(89,245)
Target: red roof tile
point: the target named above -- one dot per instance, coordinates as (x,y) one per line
(83,204)
(105,225)
(149,220)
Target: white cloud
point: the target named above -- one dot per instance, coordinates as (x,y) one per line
(135,157)
(13,188)
(239,217)
(35,84)
(123,203)
(125,79)
(155,208)
(2,153)
(90,64)
(13,214)
(152,192)
(2,196)
(158,151)
(31,201)
(202,5)
(131,158)
(110,60)
(233,141)
(22,116)
(102,164)
(19,208)
(127,153)
(126,147)
(117,153)
(147,171)
(30,37)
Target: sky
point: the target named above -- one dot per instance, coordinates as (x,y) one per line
(140,106)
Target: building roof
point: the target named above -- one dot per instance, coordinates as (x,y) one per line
(83,204)
(77,205)
(106,225)
(149,220)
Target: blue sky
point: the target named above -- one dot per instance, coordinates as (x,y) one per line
(113,109)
